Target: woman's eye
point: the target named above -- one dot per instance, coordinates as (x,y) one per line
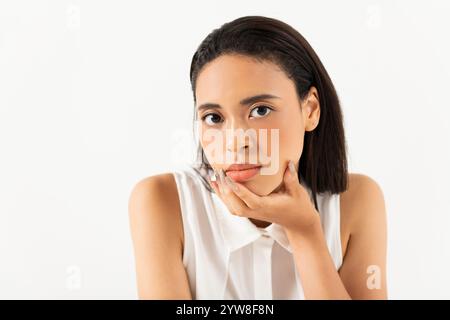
(211,119)
(260,111)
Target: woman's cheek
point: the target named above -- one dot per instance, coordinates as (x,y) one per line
(291,134)
(208,149)
(212,145)
(292,146)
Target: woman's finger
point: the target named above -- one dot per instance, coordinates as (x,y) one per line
(290,179)
(214,185)
(251,200)
(236,205)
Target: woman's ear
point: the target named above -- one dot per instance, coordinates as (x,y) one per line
(311,109)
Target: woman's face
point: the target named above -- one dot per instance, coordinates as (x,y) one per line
(232,122)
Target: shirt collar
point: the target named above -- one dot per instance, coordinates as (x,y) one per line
(240,231)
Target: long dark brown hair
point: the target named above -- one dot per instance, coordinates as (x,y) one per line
(323,163)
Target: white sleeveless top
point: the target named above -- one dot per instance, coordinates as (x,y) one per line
(228,257)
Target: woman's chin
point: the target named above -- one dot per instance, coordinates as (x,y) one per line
(262,188)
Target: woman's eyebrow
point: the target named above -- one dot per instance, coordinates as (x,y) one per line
(243,102)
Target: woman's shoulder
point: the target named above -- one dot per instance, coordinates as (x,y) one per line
(362,190)
(156,198)
(361,204)
(160,186)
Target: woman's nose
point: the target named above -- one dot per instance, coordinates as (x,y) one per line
(238,138)
(236,144)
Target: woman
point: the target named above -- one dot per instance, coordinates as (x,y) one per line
(292,223)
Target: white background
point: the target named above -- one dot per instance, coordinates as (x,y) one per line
(95,96)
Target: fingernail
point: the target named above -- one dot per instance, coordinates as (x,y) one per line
(223,185)
(222,175)
(292,167)
(231,183)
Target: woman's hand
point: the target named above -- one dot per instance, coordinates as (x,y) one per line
(291,207)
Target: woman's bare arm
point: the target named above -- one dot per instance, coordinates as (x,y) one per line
(157,234)
(364,268)
(363,271)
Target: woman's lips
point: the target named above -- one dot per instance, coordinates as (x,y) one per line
(243,174)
